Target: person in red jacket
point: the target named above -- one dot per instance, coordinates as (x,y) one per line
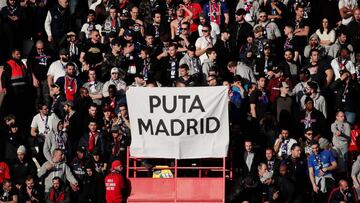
(4,171)
(115,184)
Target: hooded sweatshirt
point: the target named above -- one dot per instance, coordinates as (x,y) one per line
(319,103)
(54,140)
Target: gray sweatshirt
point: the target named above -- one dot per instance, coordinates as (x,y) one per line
(341,142)
(51,144)
(60,169)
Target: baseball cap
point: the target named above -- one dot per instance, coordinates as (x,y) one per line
(240,11)
(112,34)
(63,52)
(114,70)
(191,47)
(128,32)
(115,164)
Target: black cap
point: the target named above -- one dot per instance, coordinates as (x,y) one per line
(95,152)
(63,52)
(240,11)
(191,47)
(112,34)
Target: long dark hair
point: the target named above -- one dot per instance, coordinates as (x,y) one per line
(322,28)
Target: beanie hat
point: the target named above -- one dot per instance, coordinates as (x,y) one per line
(21,150)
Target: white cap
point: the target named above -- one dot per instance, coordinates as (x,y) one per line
(21,150)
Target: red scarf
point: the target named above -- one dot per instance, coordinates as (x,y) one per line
(59,198)
(91,144)
(70,88)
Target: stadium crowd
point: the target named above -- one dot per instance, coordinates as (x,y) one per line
(292,68)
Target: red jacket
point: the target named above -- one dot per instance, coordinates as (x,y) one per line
(4,171)
(115,186)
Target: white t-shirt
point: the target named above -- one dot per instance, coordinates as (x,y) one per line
(348,4)
(202,43)
(57,69)
(44,124)
(336,67)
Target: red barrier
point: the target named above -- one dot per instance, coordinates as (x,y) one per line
(177,189)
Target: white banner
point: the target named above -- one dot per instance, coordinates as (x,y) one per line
(179,123)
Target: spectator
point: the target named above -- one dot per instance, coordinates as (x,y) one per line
(4,171)
(57,104)
(205,42)
(93,186)
(57,23)
(58,192)
(116,186)
(56,167)
(341,137)
(239,35)
(216,11)
(283,144)
(346,9)
(326,34)
(320,71)
(318,99)
(259,101)
(353,30)
(57,139)
(340,42)
(321,166)
(30,191)
(21,167)
(57,68)
(7,193)
(343,63)
(90,25)
(310,117)
(343,193)
(39,62)
(93,51)
(114,80)
(93,139)
(94,87)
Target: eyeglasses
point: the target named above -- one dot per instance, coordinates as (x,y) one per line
(205,30)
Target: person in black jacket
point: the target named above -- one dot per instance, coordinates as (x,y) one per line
(92,186)
(30,192)
(346,91)
(343,193)
(239,31)
(58,23)
(311,118)
(21,168)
